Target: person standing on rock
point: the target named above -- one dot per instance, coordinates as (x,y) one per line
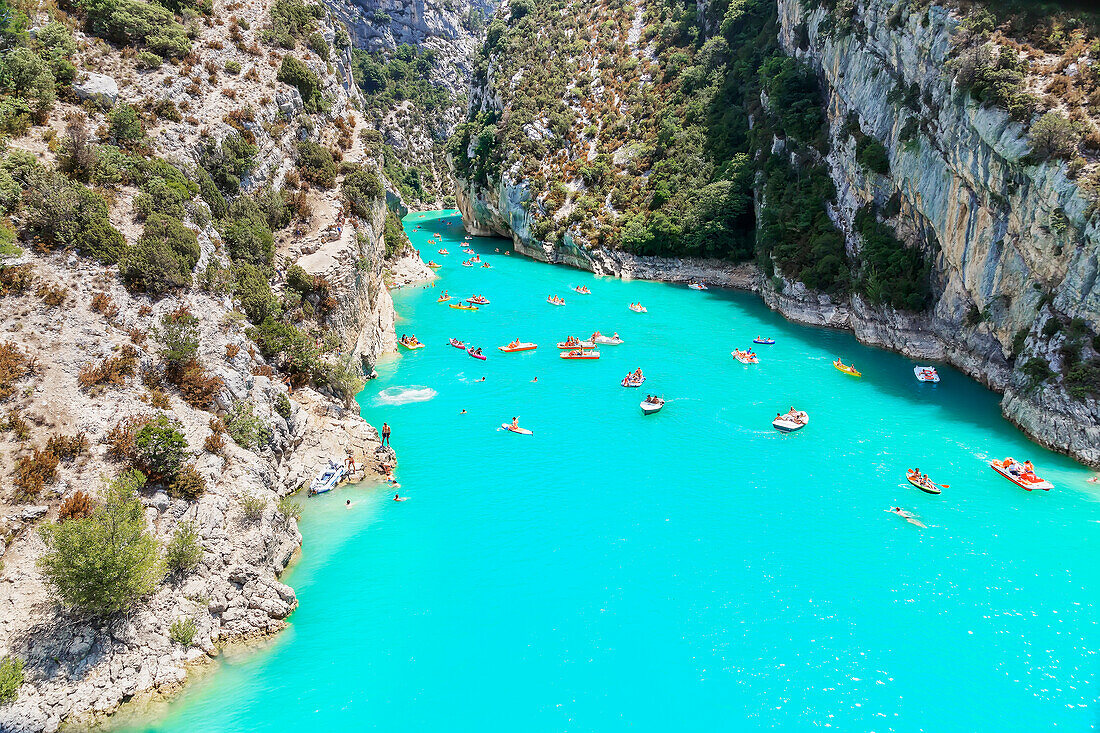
(385,433)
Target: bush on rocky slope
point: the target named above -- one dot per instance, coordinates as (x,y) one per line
(104,563)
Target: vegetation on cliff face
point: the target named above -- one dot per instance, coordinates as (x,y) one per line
(649,127)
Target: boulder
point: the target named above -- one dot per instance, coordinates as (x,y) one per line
(97,87)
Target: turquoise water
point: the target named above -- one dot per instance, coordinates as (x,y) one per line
(690,570)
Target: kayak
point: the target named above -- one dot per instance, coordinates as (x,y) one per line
(791,422)
(1028,482)
(745,357)
(517,431)
(926,374)
(580,354)
(841,366)
(470,351)
(629,381)
(442,299)
(461,307)
(477,301)
(765,341)
(578,345)
(457,344)
(433,264)
(927,487)
(411,345)
(608,340)
(650,407)
(522,346)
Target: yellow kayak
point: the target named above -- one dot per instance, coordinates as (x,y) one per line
(461,307)
(847,368)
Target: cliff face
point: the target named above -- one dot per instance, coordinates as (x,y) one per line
(987,217)
(78,670)
(1012,244)
(452,32)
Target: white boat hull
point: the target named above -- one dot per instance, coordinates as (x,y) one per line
(786,423)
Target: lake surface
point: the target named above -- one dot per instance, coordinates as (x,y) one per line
(689,570)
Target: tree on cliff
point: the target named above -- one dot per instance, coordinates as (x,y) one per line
(102,564)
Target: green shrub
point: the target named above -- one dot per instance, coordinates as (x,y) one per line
(247,237)
(163,258)
(995,77)
(130,22)
(282,406)
(394,234)
(361,189)
(159,448)
(179,336)
(253,508)
(183,552)
(232,67)
(315,164)
(293,19)
(104,563)
(1054,136)
(124,125)
(182,631)
(872,156)
(254,292)
(292,350)
(148,60)
(24,74)
(11,678)
(289,508)
(247,430)
(227,162)
(297,74)
(1037,370)
(64,214)
(319,45)
(891,272)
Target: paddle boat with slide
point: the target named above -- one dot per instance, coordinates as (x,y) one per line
(518,346)
(926,374)
(847,368)
(651,405)
(792,421)
(1021,474)
(922,482)
(612,340)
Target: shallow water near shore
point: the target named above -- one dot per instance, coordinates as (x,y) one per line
(689,570)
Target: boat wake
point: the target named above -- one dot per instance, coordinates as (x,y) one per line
(405,395)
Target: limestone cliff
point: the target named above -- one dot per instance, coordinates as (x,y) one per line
(1011,240)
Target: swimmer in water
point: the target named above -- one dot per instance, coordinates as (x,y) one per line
(348,504)
(481,380)
(535,379)
(462,413)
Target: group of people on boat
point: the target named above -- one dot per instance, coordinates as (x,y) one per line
(921,478)
(555,300)
(798,417)
(637,307)
(410,340)
(653,399)
(583,290)
(572,341)
(1019,470)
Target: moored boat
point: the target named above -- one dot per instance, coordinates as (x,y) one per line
(579,354)
(1021,474)
(923,483)
(518,346)
(329,477)
(926,374)
(792,421)
(651,405)
(698,286)
(847,368)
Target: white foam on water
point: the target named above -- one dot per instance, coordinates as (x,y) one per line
(405,395)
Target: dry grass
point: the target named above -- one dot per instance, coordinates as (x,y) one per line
(105,304)
(17,279)
(34,472)
(14,365)
(111,372)
(215,442)
(120,438)
(76,506)
(67,447)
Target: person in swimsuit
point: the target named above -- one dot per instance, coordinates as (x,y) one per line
(515,423)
